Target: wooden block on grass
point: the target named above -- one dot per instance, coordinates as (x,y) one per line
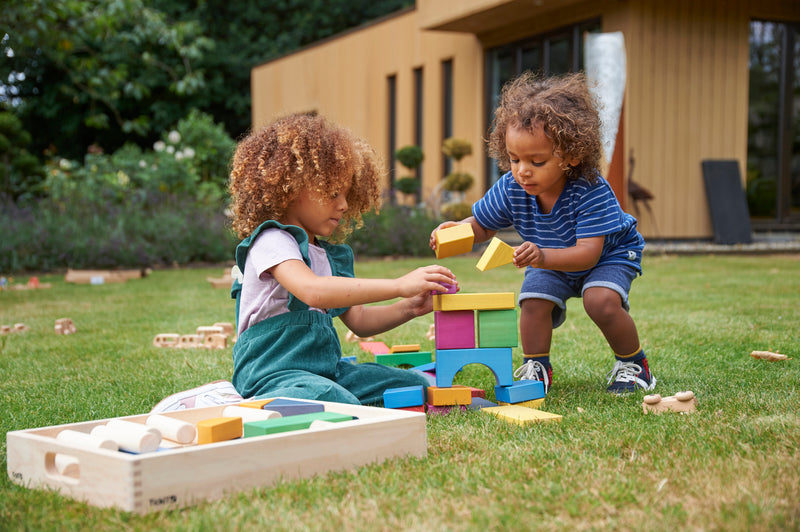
(404,397)
(683,402)
(454,395)
(376,348)
(535,403)
(484,301)
(520,391)
(454,240)
(497,254)
(405,348)
(521,415)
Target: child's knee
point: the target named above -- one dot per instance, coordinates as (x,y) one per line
(602,303)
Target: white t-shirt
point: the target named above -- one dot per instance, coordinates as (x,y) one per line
(262,296)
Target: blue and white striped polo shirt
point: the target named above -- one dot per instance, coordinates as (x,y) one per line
(582,210)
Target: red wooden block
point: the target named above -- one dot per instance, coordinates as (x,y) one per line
(376,348)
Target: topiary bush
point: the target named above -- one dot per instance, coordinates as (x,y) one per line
(396,230)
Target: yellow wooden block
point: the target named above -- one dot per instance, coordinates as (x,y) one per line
(256,404)
(219,429)
(485,301)
(408,348)
(521,415)
(533,403)
(497,254)
(455,395)
(454,240)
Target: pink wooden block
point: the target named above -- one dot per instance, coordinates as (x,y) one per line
(455,329)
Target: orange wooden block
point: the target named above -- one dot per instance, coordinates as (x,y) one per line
(219,429)
(409,348)
(455,395)
(256,404)
(454,240)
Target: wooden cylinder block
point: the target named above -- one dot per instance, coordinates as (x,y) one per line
(172,429)
(87,441)
(131,437)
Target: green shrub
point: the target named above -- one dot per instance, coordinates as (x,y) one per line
(458,182)
(407,185)
(456,211)
(410,156)
(396,230)
(150,230)
(456,148)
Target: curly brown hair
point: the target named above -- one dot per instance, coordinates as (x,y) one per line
(563,107)
(301,154)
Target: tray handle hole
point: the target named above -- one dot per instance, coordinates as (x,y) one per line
(62,466)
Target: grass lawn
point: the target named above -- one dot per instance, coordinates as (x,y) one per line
(733,465)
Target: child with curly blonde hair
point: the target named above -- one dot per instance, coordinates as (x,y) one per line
(577,240)
(295,183)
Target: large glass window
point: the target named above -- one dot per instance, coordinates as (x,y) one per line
(773,140)
(556,52)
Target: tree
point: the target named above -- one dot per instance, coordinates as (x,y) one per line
(107,72)
(84,72)
(19,170)
(247,34)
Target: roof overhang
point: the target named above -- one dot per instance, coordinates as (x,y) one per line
(481,16)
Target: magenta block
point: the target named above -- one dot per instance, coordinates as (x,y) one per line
(455,329)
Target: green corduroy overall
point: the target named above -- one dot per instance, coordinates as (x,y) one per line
(297,354)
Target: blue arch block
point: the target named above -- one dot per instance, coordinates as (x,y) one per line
(497,359)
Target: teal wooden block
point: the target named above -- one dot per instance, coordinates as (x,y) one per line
(416,358)
(290,423)
(497,328)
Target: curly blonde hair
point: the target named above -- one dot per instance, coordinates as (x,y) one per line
(565,109)
(301,154)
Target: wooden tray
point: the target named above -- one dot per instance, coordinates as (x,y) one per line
(187,474)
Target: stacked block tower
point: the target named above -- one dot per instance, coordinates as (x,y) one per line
(476,328)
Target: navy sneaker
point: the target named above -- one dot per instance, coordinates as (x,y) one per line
(628,377)
(533,370)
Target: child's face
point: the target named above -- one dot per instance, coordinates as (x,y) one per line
(534,166)
(317,215)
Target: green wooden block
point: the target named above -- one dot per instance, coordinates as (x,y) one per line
(290,423)
(497,328)
(416,358)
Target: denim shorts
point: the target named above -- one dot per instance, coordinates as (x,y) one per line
(558,287)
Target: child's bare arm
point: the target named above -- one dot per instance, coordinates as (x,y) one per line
(336,292)
(481,234)
(371,320)
(582,256)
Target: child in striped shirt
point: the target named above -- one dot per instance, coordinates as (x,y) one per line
(577,240)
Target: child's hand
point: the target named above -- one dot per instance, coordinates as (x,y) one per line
(425,280)
(528,254)
(443,225)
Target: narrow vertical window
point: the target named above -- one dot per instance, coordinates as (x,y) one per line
(447,109)
(391,90)
(418,113)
